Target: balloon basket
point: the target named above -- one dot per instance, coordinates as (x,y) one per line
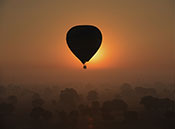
(84,67)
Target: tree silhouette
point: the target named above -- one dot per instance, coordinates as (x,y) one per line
(73,119)
(126,91)
(6,109)
(35,96)
(95,107)
(47,115)
(40,113)
(119,105)
(92,96)
(149,102)
(131,116)
(156,104)
(12,100)
(69,99)
(107,108)
(37,102)
(2,90)
(37,113)
(140,91)
(63,120)
(84,109)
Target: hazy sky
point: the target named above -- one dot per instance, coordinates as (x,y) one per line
(138,40)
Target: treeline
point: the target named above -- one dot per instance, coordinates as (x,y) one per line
(54,108)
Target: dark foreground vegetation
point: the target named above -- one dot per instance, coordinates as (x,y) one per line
(125,107)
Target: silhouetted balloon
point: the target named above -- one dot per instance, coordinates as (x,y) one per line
(84,41)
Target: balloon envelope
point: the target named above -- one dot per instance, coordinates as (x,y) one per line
(84,41)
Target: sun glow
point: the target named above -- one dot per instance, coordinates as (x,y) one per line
(100,59)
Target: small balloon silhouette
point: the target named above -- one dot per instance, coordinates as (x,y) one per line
(84,41)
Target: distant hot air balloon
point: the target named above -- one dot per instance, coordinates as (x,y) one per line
(84,41)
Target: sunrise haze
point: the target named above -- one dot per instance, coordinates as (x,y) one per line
(139,45)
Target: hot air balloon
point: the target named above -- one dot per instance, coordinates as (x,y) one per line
(84,41)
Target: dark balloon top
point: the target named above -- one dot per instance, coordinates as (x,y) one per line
(84,41)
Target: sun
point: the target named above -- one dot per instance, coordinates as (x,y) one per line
(98,56)
(99,60)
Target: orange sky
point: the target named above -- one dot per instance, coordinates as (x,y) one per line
(138,40)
